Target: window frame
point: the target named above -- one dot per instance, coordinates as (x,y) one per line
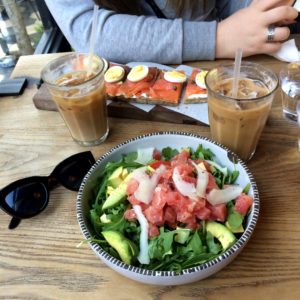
(52,40)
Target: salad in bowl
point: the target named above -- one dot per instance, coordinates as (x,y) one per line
(167,214)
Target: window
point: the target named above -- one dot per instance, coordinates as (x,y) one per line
(37,32)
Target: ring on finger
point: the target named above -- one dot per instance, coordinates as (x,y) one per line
(271,33)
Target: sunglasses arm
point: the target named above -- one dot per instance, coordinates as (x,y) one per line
(14,222)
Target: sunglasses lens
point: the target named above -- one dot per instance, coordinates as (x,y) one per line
(27,200)
(71,175)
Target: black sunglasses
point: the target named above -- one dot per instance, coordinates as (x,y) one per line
(27,197)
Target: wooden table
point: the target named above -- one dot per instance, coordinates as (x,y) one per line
(39,259)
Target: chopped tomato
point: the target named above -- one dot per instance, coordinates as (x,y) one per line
(132,186)
(153,230)
(154,215)
(218,212)
(211,183)
(158,163)
(159,200)
(203,213)
(181,158)
(156,154)
(243,203)
(130,215)
(170,216)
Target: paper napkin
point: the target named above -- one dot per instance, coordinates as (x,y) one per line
(288,52)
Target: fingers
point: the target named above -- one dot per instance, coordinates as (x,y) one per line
(279,14)
(271,47)
(281,34)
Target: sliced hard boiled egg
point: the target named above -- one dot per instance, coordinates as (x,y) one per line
(114,74)
(138,73)
(175,76)
(200,79)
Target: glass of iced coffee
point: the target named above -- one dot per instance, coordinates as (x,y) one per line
(76,83)
(237,122)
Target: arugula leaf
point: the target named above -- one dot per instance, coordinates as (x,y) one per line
(195,244)
(197,260)
(234,175)
(168,153)
(247,188)
(202,153)
(234,219)
(213,246)
(130,157)
(95,221)
(161,245)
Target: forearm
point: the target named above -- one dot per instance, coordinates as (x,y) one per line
(124,38)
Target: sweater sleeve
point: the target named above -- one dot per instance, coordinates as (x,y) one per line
(123,38)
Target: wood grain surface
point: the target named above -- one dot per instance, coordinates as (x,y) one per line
(39,259)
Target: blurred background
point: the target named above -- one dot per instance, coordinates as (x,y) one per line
(26,27)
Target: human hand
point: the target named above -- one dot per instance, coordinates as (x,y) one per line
(248,28)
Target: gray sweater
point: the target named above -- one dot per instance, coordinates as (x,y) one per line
(123,38)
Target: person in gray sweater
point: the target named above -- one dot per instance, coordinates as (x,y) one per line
(173,31)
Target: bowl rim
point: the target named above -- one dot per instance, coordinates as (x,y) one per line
(233,250)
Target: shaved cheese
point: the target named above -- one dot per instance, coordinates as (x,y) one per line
(143,256)
(224,170)
(185,188)
(147,184)
(202,181)
(225,195)
(144,155)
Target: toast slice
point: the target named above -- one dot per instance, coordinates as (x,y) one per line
(140,89)
(112,89)
(193,92)
(164,92)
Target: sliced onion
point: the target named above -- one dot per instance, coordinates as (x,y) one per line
(225,195)
(202,181)
(143,256)
(147,184)
(185,188)
(144,155)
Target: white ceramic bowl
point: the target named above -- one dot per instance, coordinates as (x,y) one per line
(160,140)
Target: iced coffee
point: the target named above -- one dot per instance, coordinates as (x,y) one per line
(237,122)
(80,96)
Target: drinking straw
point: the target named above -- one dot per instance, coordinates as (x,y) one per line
(92,40)
(236,71)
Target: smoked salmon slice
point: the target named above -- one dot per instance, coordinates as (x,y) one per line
(194,93)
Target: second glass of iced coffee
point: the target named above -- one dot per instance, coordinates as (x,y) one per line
(237,121)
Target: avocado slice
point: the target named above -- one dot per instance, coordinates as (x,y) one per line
(124,173)
(115,179)
(222,233)
(117,195)
(182,235)
(239,229)
(125,248)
